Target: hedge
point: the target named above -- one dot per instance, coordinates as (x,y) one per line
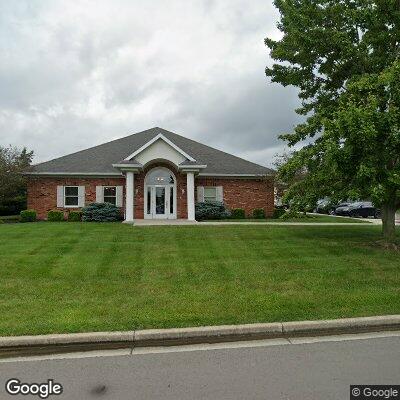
(75,216)
(238,213)
(55,216)
(28,215)
(259,213)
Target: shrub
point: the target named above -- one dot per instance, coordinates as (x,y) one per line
(55,216)
(13,206)
(259,213)
(28,216)
(1,221)
(293,215)
(101,212)
(238,213)
(75,216)
(278,212)
(211,210)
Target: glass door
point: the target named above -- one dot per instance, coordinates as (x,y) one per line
(160,202)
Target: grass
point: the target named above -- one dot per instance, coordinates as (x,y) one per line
(310,218)
(71,277)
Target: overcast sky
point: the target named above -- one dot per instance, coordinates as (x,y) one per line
(74,74)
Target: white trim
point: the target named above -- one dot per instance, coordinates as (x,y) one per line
(190,196)
(167,194)
(60,196)
(77,196)
(155,138)
(191,167)
(99,194)
(237,175)
(82,174)
(200,194)
(129,197)
(127,165)
(81,196)
(119,200)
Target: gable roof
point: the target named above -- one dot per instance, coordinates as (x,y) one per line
(98,160)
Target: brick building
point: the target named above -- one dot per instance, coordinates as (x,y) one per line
(151,174)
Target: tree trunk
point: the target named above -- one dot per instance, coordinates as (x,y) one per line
(388,221)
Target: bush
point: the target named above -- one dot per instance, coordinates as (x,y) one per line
(211,210)
(258,213)
(278,212)
(12,206)
(294,215)
(28,215)
(101,212)
(1,221)
(75,216)
(238,213)
(55,216)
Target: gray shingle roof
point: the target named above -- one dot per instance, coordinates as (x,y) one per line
(99,159)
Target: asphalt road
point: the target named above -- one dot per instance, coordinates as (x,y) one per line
(321,368)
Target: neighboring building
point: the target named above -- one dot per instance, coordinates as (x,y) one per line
(151,174)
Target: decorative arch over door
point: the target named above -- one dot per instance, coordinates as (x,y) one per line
(160,194)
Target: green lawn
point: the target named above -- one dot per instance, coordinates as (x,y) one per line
(310,218)
(70,277)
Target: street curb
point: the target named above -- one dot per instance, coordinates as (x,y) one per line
(61,343)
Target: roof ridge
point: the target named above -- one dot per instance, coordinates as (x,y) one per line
(213,148)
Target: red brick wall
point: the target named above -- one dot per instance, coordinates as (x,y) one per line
(238,193)
(42,192)
(244,193)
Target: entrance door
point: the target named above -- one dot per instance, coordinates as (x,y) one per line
(160,202)
(160,194)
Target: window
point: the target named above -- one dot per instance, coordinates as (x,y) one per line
(110,194)
(71,198)
(210,194)
(160,176)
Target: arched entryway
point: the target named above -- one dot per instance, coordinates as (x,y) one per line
(160,194)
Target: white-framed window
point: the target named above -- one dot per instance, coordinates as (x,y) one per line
(110,194)
(71,196)
(210,194)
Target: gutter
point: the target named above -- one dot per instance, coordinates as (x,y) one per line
(74,174)
(61,343)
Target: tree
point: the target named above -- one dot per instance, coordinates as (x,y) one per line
(343,56)
(288,186)
(12,183)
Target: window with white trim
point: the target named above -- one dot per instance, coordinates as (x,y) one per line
(71,196)
(210,194)
(110,194)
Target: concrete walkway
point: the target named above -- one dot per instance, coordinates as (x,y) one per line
(152,222)
(176,222)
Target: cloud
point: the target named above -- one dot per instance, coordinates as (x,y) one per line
(76,74)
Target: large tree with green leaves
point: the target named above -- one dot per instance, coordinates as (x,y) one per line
(343,56)
(13,162)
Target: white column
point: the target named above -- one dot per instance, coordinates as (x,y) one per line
(129,197)
(190,195)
